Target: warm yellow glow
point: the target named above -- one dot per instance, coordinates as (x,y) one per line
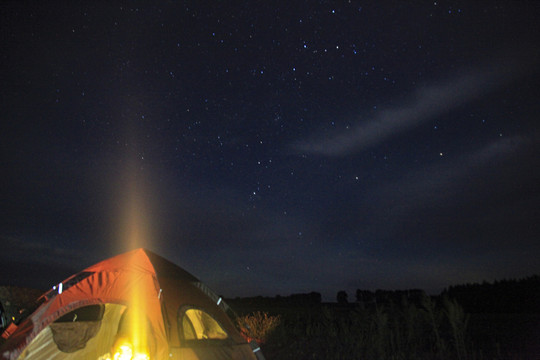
(135,209)
(135,224)
(134,188)
(141,356)
(124,352)
(135,236)
(134,330)
(139,327)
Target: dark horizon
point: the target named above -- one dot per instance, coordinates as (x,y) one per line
(50,275)
(273,148)
(352,297)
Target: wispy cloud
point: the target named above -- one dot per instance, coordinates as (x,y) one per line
(500,149)
(429,101)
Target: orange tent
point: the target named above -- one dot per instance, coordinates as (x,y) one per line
(136,306)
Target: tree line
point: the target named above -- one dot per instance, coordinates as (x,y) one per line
(502,296)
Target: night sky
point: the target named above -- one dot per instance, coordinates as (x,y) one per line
(272,147)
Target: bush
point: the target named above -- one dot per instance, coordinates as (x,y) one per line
(257,326)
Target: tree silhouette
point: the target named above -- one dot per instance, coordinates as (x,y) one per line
(342,297)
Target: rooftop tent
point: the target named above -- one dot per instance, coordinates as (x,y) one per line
(137,306)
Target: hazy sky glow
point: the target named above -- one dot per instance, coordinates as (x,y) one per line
(273,149)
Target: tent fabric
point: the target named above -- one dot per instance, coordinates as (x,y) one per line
(43,345)
(138,296)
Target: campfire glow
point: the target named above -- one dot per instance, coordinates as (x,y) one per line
(132,340)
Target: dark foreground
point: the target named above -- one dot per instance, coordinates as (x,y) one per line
(430,329)
(412,328)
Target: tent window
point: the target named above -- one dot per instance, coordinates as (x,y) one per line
(197,324)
